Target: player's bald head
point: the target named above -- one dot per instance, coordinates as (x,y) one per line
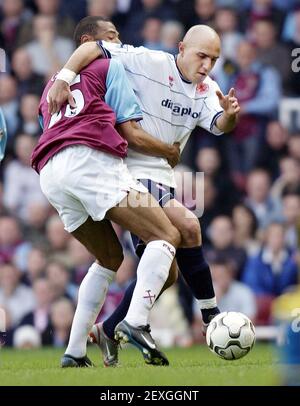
(198,52)
(202,34)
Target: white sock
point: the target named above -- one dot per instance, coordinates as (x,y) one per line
(91,296)
(152,272)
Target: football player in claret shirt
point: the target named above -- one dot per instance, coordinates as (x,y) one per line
(82,173)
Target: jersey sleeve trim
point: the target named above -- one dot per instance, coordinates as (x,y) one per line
(213,128)
(133,117)
(105,52)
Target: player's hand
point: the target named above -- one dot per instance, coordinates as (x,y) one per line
(174,154)
(59,93)
(229,102)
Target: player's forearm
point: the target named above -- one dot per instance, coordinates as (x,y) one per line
(148,145)
(140,141)
(82,56)
(226,123)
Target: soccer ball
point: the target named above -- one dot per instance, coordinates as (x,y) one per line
(230,335)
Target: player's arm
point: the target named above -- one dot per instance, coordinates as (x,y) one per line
(60,90)
(121,98)
(140,141)
(228,119)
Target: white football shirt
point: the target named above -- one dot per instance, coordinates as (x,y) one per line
(172,107)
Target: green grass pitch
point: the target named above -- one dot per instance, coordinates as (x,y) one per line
(195,366)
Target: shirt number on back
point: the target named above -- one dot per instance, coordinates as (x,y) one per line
(70,112)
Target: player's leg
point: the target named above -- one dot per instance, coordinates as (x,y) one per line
(103,334)
(122,309)
(100,239)
(74,195)
(191,261)
(143,217)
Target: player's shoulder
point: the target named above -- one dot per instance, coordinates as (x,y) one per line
(142,51)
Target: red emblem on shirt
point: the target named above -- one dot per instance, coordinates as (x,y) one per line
(171,81)
(202,87)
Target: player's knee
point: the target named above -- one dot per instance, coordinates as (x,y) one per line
(173,236)
(191,233)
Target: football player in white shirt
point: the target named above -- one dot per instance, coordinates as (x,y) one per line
(175,95)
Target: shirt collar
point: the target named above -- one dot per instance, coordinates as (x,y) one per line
(180,74)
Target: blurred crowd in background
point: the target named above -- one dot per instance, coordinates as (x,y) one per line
(251,222)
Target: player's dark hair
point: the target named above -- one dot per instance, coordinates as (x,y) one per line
(88,25)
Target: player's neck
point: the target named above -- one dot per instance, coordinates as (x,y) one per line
(181,69)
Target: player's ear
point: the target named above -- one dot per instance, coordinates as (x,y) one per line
(86,38)
(181,47)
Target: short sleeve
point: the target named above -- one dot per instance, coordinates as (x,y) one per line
(119,94)
(211,110)
(130,56)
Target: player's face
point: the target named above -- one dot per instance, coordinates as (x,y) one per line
(198,61)
(107,32)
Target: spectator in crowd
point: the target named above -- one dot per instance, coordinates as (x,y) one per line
(270,51)
(28,82)
(13,16)
(294,145)
(208,160)
(226,24)
(57,236)
(263,9)
(232,295)
(271,272)
(15,298)
(289,177)
(47,50)
(59,277)
(258,89)
(49,8)
(39,317)
(10,238)
(101,8)
(204,13)
(36,264)
(135,23)
(259,198)
(245,229)
(9,105)
(171,33)
(21,183)
(291,218)
(221,235)
(61,316)
(29,104)
(274,144)
(151,33)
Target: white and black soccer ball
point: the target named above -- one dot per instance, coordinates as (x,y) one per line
(230,335)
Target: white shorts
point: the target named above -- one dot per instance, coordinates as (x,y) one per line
(80,182)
